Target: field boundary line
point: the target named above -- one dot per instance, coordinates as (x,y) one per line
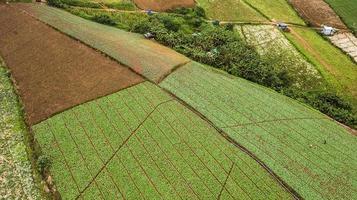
(123,143)
(272,120)
(280,181)
(225,182)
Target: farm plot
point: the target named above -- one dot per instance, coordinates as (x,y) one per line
(146,57)
(230,10)
(53,71)
(347,11)
(310,152)
(336,67)
(277,10)
(140,143)
(16,180)
(347,42)
(162,5)
(270,42)
(317,13)
(105,4)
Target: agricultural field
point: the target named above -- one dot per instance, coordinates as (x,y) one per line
(162,5)
(347,11)
(104,4)
(66,72)
(140,143)
(310,152)
(230,10)
(347,42)
(16,179)
(145,57)
(277,10)
(317,13)
(270,42)
(336,67)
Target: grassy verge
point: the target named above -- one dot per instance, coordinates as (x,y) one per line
(18,179)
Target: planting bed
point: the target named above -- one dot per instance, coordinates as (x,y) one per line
(162,5)
(54,72)
(230,10)
(16,181)
(271,42)
(309,151)
(140,143)
(318,13)
(336,67)
(347,42)
(277,10)
(347,11)
(146,57)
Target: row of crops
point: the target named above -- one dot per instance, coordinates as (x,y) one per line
(16,179)
(311,153)
(140,143)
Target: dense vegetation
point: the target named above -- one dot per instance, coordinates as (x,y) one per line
(187,31)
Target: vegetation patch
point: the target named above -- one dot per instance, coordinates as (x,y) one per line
(164,5)
(277,10)
(347,11)
(140,143)
(16,175)
(230,10)
(310,152)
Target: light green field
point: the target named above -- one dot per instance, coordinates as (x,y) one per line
(336,67)
(347,11)
(230,10)
(276,10)
(146,57)
(16,178)
(139,143)
(306,149)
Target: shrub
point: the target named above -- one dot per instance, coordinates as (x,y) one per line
(104,19)
(56,3)
(43,163)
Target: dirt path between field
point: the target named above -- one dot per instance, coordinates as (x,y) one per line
(54,72)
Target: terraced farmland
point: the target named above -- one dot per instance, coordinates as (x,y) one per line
(347,11)
(143,56)
(309,151)
(277,10)
(337,68)
(270,42)
(347,42)
(162,5)
(16,179)
(140,143)
(230,10)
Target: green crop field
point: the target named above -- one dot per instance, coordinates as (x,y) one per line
(347,11)
(16,178)
(140,143)
(277,10)
(336,67)
(144,56)
(114,4)
(230,10)
(309,151)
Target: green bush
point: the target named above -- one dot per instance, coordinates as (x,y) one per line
(104,19)
(43,163)
(56,3)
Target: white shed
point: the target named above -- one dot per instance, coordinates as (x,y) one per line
(328,31)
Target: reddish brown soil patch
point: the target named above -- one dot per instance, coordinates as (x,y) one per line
(162,5)
(52,71)
(317,12)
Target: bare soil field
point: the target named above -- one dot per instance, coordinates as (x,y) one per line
(52,71)
(317,12)
(347,42)
(162,5)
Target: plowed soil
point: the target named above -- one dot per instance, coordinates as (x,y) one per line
(317,12)
(162,5)
(53,72)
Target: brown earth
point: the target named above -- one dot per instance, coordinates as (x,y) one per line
(54,72)
(162,5)
(317,12)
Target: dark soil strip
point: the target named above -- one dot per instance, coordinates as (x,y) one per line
(52,71)
(282,183)
(225,182)
(124,143)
